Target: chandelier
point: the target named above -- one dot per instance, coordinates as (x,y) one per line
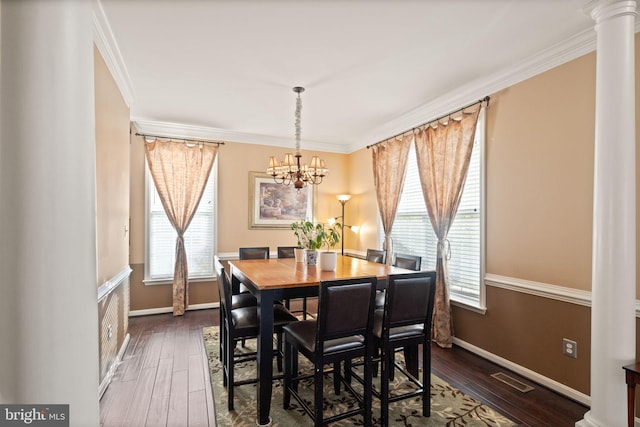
(290,170)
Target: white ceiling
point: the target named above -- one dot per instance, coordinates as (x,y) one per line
(371,69)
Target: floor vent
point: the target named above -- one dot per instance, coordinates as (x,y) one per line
(510,381)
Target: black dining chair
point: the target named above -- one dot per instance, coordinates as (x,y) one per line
(379,256)
(405,322)
(337,334)
(242,323)
(376,255)
(289,252)
(409,262)
(286,251)
(259,252)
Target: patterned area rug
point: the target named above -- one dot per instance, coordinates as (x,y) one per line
(449,406)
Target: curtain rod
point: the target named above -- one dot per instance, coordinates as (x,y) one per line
(179,139)
(485,99)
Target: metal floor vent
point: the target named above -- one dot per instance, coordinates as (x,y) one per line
(510,381)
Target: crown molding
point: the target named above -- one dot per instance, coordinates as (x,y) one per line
(178,130)
(108,47)
(558,54)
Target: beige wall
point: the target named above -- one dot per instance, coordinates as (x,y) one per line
(362,209)
(540,177)
(112,173)
(112,211)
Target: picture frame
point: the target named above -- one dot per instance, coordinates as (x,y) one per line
(273,205)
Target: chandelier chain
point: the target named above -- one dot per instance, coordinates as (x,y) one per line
(291,170)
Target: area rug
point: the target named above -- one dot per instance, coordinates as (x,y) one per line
(449,406)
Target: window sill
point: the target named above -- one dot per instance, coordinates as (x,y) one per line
(467,304)
(153,282)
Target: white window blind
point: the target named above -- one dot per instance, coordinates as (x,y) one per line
(413,234)
(161,237)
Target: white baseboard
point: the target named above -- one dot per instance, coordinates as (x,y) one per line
(527,373)
(162,310)
(112,369)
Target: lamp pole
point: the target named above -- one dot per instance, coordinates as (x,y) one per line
(343,199)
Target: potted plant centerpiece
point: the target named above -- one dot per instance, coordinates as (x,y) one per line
(298,231)
(330,237)
(310,237)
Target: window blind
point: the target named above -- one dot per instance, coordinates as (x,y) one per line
(198,239)
(413,233)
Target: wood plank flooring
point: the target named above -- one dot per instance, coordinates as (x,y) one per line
(163,380)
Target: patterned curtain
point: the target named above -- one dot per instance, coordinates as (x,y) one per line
(443,151)
(389,170)
(180,172)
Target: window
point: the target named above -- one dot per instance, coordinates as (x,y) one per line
(161,237)
(413,234)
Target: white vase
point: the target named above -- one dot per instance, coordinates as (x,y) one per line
(299,254)
(328,261)
(311,256)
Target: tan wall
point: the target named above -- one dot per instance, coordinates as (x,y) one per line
(112,173)
(112,215)
(540,177)
(362,209)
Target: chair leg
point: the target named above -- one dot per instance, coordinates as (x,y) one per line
(318,386)
(279,352)
(347,371)
(426,379)
(368,388)
(411,359)
(376,362)
(391,372)
(304,308)
(336,377)
(221,332)
(286,393)
(387,367)
(225,348)
(230,379)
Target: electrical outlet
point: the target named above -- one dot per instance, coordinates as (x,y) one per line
(569,348)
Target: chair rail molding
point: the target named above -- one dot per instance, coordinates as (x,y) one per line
(107,287)
(545,290)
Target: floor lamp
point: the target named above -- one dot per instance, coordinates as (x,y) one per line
(343,199)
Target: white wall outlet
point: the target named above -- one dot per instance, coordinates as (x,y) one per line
(569,348)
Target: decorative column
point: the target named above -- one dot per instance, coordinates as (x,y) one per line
(613,318)
(48,298)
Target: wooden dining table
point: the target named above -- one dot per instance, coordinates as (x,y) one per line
(283,278)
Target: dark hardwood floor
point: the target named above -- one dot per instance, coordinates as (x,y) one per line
(163,380)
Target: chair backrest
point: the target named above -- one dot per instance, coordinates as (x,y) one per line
(345,308)
(375,255)
(410,262)
(286,251)
(409,301)
(260,252)
(224,286)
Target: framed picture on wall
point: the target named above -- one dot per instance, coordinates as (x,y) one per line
(273,205)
